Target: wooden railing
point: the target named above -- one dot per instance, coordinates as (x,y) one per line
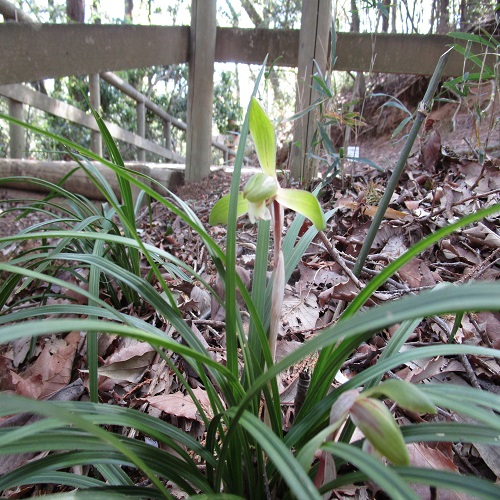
(32,52)
(19,95)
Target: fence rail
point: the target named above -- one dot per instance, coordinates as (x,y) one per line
(36,51)
(19,94)
(25,95)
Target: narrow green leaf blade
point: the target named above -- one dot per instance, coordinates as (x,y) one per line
(392,484)
(291,471)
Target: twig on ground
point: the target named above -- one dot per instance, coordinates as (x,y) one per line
(334,253)
(480,330)
(465,461)
(469,371)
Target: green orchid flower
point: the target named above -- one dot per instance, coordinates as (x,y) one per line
(263,188)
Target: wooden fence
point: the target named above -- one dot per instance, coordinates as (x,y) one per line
(18,94)
(30,52)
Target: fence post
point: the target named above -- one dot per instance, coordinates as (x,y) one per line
(313,47)
(201,89)
(167,134)
(17,134)
(141,127)
(95,102)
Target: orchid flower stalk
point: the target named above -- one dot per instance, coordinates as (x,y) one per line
(264,199)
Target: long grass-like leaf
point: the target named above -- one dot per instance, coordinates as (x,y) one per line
(453,432)
(292,472)
(48,409)
(111,492)
(440,479)
(477,296)
(386,477)
(313,420)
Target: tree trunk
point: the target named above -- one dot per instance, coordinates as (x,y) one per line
(394,11)
(75,10)
(355,22)
(385,18)
(443,24)
(463,14)
(252,13)
(129,7)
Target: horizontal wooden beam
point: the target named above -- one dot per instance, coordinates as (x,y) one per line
(250,46)
(396,53)
(38,100)
(30,52)
(132,92)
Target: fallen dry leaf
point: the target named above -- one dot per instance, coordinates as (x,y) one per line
(299,312)
(417,273)
(482,235)
(51,370)
(425,456)
(180,404)
(130,370)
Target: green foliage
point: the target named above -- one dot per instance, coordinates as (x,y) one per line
(480,52)
(488,45)
(328,112)
(228,113)
(241,455)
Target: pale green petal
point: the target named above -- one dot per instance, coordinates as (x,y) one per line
(258,211)
(304,203)
(260,187)
(264,138)
(220,210)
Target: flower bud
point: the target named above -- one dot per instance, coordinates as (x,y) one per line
(260,188)
(378,425)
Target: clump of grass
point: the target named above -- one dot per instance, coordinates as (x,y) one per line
(241,456)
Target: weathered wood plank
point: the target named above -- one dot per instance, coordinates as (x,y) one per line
(394,53)
(31,52)
(17,134)
(250,46)
(75,115)
(313,53)
(200,89)
(167,175)
(141,127)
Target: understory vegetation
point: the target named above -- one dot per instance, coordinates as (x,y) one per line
(340,342)
(89,276)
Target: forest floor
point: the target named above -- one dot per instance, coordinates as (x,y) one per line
(443,181)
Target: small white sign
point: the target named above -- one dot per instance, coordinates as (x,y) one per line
(353,151)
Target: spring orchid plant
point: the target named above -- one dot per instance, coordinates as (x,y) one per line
(263,199)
